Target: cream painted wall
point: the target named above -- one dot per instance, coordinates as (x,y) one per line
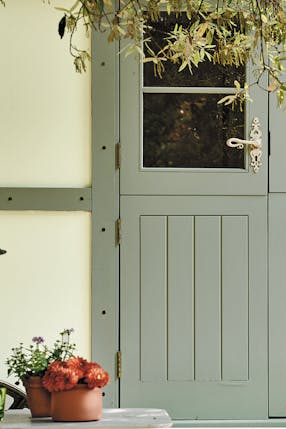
(44,278)
(45,106)
(45,141)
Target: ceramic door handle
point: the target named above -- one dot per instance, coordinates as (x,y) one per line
(255,144)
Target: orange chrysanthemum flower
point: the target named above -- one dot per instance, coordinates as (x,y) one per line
(66,374)
(59,377)
(77,364)
(96,377)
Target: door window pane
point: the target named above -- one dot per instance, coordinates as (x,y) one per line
(206,75)
(190,131)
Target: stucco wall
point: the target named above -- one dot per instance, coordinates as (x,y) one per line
(44,103)
(45,141)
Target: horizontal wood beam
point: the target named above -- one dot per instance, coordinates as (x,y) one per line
(52,199)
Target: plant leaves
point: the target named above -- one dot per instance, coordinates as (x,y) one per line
(100,5)
(61,9)
(226,100)
(62,26)
(202,29)
(74,6)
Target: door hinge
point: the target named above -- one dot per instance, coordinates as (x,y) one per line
(269,143)
(118,364)
(118,231)
(117,155)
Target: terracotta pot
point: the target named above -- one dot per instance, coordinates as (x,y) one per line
(38,398)
(78,404)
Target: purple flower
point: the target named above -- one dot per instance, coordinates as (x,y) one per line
(38,340)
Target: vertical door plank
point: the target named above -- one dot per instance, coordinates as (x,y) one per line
(180,298)
(277,300)
(153,298)
(235,298)
(208,297)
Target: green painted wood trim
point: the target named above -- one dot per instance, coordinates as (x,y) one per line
(63,199)
(277,296)
(105,251)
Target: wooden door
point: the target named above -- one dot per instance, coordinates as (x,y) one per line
(193,291)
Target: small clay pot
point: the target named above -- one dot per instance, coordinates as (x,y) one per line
(77,405)
(38,398)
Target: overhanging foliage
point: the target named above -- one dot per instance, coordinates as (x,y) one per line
(231,32)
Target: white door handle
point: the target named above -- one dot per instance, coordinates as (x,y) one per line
(255,144)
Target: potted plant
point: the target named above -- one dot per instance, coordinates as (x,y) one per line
(29,364)
(75,387)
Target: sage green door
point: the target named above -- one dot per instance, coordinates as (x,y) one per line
(193,289)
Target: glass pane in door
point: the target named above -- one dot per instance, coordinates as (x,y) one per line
(205,75)
(190,131)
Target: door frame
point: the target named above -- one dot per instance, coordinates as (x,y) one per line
(105,197)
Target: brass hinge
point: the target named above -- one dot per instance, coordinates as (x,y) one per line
(118,231)
(117,155)
(118,364)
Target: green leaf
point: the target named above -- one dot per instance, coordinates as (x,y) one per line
(62,9)
(74,6)
(62,26)
(100,5)
(183,66)
(237,85)
(227,99)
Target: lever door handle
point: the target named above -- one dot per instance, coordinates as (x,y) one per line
(255,144)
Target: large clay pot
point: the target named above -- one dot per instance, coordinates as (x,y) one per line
(77,404)
(38,398)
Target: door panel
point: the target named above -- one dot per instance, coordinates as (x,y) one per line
(235,288)
(208,298)
(180,307)
(194,305)
(153,298)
